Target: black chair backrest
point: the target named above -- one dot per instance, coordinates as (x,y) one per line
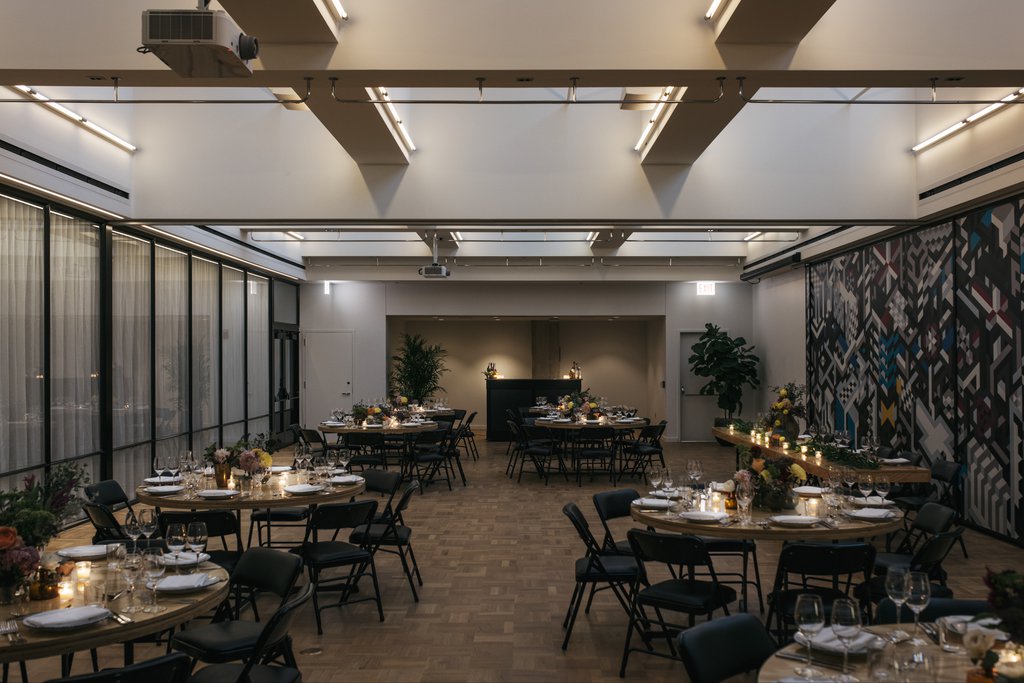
(337,516)
(276,629)
(933,551)
(219,523)
(835,561)
(367,439)
(613,505)
(537,435)
(724,647)
(670,549)
(172,668)
(311,437)
(946,471)
(382,481)
(107,492)
(266,569)
(469,421)
(403,502)
(104,522)
(597,435)
(934,518)
(937,607)
(579,522)
(649,434)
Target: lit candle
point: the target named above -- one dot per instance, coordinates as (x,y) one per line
(803,449)
(231,484)
(1011,664)
(753,434)
(83,569)
(716,502)
(817,456)
(803,456)
(811,507)
(66,590)
(785,446)
(732,428)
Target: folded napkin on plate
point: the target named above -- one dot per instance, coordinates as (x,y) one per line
(876,501)
(807,490)
(346,479)
(660,503)
(987,625)
(894,461)
(68,617)
(826,641)
(84,551)
(179,582)
(872,513)
(700,516)
(184,559)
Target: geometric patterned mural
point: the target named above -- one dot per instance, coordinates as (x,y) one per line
(919,340)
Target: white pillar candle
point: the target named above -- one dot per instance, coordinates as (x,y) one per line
(83,569)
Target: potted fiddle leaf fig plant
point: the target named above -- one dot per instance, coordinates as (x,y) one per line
(417,368)
(729,364)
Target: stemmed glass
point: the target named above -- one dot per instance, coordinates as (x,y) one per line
(174,537)
(154,568)
(159,464)
(147,523)
(744,497)
(666,481)
(866,485)
(809,615)
(919,594)
(173,464)
(846,627)
(897,587)
(133,530)
(850,479)
(131,566)
(695,470)
(195,539)
(882,487)
(656,478)
(344,458)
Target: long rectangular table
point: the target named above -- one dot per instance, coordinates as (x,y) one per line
(895,473)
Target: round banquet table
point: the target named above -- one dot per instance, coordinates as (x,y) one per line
(576,425)
(180,607)
(949,667)
(406,428)
(760,529)
(270,496)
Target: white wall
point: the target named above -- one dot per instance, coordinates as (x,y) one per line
(780,319)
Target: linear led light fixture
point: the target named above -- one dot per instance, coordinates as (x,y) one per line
(963,123)
(379,95)
(656,116)
(592,237)
(294,235)
(752,236)
(74,117)
(713,9)
(337,10)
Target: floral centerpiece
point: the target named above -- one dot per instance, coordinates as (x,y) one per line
(1006,600)
(773,479)
(581,403)
(248,455)
(785,409)
(30,517)
(491,372)
(364,411)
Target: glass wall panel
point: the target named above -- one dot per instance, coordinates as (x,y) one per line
(21,334)
(234,432)
(177,445)
(203,439)
(233,340)
(260,425)
(171,342)
(132,465)
(74,337)
(258,339)
(205,343)
(131,289)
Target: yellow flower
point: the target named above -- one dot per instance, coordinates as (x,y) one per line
(778,423)
(798,472)
(265,459)
(786,411)
(403,400)
(569,405)
(783,393)
(766,475)
(593,405)
(776,405)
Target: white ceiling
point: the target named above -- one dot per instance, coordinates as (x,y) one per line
(551,181)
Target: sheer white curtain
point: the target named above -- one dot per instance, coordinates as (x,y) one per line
(258,340)
(131,288)
(205,339)
(171,342)
(74,337)
(233,340)
(21,334)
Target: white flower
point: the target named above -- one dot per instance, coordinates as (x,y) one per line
(728,487)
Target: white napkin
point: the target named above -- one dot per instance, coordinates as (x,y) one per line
(699,516)
(217,493)
(807,490)
(346,479)
(80,552)
(180,582)
(68,618)
(659,503)
(826,641)
(303,488)
(893,461)
(871,513)
(184,559)
(988,625)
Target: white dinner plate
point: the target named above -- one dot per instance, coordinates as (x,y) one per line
(67,618)
(84,552)
(346,479)
(894,461)
(873,502)
(794,520)
(988,625)
(373,426)
(278,469)
(303,489)
(185,583)
(185,559)
(162,480)
(700,517)
(561,419)
(826,641)
(593,422)
(871,514)
(333,424)
(808,491)
(164,490)
(217,493)
(657,503)
(664,494)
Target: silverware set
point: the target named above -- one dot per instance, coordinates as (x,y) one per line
(9,627)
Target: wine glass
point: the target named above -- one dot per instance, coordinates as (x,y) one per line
(655,476)
(133,530)
(897,587)
(195,539)
(174,537)
(744,497)
(147,523)
(153,566)
(846,627)
(866,485)
(809,615)
(919,593)
(344,458)
(695,470)
(850,479)
(666,481)
(131,567)
(158,464)
(882,487)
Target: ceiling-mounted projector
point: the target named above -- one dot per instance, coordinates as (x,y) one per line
(198,43)
(434,270)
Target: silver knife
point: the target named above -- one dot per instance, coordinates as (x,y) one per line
(814,662)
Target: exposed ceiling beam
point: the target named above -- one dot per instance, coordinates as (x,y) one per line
(294,21)
(769,21)
(362,130)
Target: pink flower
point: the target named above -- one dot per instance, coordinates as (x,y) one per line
(248,461)
(221,455)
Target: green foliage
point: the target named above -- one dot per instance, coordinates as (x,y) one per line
(39,508)
(417,368)
(837,455)
(730,364)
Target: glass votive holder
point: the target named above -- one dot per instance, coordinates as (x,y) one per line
(66,591)
(83,569)
(803,449)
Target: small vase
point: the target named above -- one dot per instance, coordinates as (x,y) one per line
(221,475)
(45,585)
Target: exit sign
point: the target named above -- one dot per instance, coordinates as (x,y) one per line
(705,289)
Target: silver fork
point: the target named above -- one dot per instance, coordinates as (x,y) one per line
(15,633)
(7,627)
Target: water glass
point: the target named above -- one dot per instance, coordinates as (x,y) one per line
(846,627)
(174,538)
(809,615)
(920,592)
(153,567)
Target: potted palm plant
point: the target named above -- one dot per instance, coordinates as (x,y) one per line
(417,368)
(729,363)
